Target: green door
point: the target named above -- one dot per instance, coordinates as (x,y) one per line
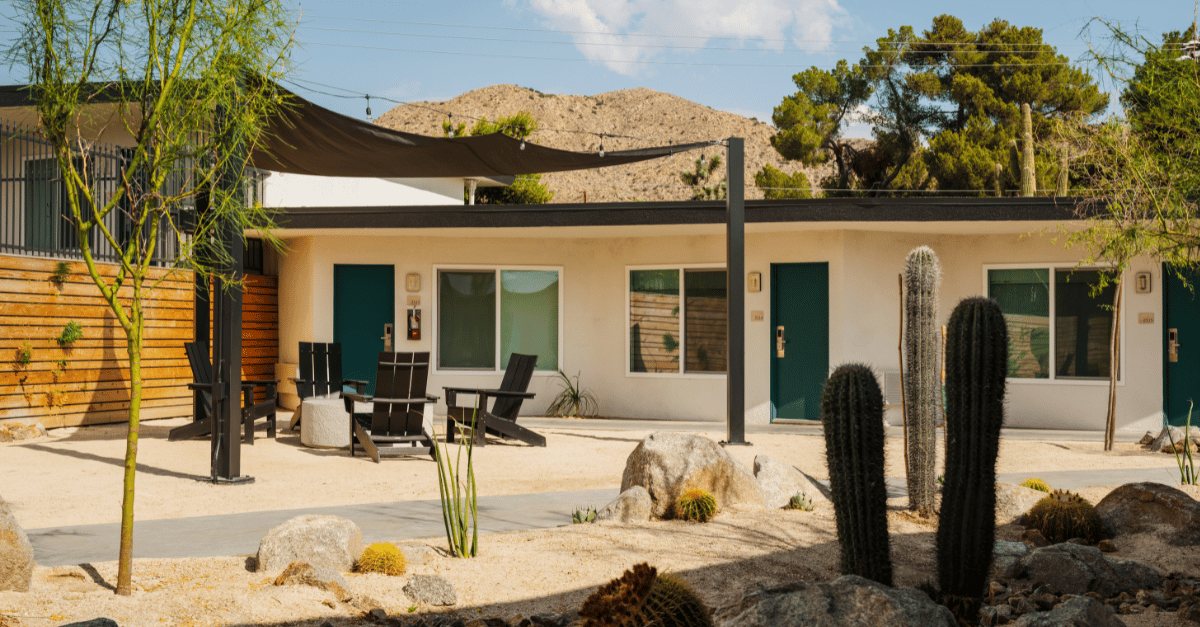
(1181,323)
(364,300)
(800,324)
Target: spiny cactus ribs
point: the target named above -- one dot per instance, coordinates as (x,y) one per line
(383,558)
(1064,515)
(643,598)
(922,375)
(695,505)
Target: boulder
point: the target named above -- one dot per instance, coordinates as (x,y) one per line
(303,574)
(668,463)
(17,430)
(1161,443)
(1007,558)
(431,590)
(1012,501)
(16,553)
(1077,569)
(322,541)
(1151,508)
(1078,612)
(417,553)
(847,600)
(780,482)
(95,622)
(631,506)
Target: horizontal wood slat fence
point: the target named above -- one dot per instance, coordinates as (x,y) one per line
(87,382)
(655,332)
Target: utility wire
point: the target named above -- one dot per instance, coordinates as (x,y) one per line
(639,61)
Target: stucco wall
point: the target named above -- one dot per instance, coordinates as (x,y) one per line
(864,317)
(299,190)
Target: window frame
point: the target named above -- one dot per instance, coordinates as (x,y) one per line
(1053,267)
(435,312)
(681,373)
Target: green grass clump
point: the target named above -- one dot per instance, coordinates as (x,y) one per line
(383,558)
(1064,515)
(695,505)
(800,501)
(1036,484)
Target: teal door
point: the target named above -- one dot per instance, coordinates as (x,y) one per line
(800,326)
(1181,324)
(364,300)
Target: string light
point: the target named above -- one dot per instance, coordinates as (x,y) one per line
(601,145)
(368,107)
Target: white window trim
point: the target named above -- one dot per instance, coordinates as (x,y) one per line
(680,374)
(1052,267)
(496,268)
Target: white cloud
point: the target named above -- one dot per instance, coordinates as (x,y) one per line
(808,24)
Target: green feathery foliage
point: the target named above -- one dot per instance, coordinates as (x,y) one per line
(852,417)
(70,333)
(774,183)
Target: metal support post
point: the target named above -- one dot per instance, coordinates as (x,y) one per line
(735,288)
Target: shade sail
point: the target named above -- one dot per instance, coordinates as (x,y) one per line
(308,139)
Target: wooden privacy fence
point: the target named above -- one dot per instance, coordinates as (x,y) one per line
(656,332)
(87,381)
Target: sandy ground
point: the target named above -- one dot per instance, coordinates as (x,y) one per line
(74,478)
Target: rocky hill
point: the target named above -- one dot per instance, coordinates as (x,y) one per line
(653,117)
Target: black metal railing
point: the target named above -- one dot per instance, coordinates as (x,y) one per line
(35,214)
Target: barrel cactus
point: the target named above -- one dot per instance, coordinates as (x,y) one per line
(641,597)
(383,558)
(922,375)
(852,415)
(976,366)
(1064,515)
(1036,484)
(695,505)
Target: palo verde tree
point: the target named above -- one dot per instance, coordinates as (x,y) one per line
(1138,173)
(190,84)
(528,188)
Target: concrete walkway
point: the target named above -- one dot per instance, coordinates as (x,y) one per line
(239,534)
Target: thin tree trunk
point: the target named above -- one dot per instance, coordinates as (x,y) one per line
(134,348)
(1114,360)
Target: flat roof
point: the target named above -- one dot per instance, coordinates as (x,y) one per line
(842,210)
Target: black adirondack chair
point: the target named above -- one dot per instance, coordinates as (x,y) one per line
(321,374)
(501,419)
(202,372)
(395,426)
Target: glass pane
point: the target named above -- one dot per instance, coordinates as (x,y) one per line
(1024,297)
(467,320)
(705,322)
(654,320)
(1083,325)
(529,316)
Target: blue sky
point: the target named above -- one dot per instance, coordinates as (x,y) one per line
(729,55)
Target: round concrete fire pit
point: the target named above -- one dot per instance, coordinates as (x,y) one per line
(324,422)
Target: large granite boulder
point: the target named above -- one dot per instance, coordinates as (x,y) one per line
(16,553)
(431,589)
(631,506)
(780,482)
(1170,439)
(1151,508)
(847,600)
(1077,569)
(667,463)
(1012,501)
(322,541)
(1078,612)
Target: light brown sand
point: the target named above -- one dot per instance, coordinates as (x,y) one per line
(74,478)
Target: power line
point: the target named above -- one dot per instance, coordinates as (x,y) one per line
(642,62)
(618,34)
(1048,47)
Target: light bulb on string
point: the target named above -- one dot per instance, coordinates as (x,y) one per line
(522,144)
(602,145)
(368,107)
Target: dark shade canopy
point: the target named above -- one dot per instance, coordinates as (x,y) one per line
(308,139)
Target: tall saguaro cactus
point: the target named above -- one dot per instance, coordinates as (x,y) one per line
(976,364)
(1028,183)
(922,384)
(852,415)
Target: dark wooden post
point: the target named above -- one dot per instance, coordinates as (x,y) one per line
(735,289)
(201,310)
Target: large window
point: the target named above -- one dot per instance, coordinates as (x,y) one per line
(486,315)
(1058,327)
(674,313)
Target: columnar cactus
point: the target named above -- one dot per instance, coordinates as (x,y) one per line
(852,415)
(976,359)
(922,375)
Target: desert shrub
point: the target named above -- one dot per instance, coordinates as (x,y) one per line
(24,354)
(70,333)
(1064,515)
(800,501)
(643,597)
(695,505)
(1036,484)
(383,558)
(583,515)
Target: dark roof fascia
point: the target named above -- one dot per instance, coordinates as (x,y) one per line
(688,212)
